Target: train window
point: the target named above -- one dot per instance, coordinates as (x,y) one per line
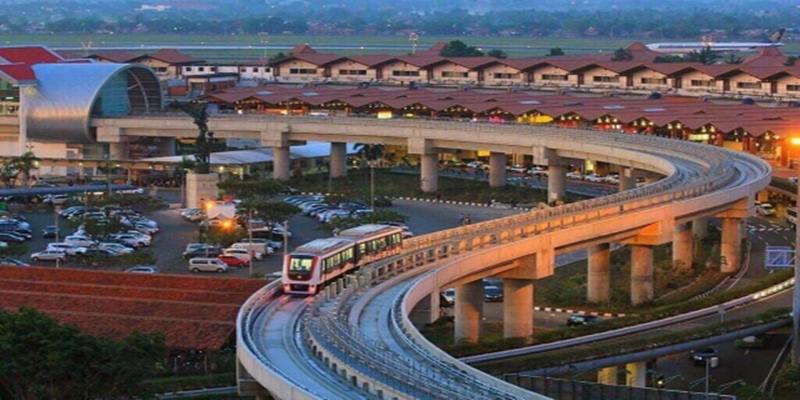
(300,265)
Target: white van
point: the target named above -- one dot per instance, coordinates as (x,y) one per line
(257,245)
(207,265)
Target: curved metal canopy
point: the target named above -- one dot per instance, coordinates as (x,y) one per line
(67,95)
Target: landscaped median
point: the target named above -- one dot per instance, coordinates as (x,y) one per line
(600,351)
(440,333)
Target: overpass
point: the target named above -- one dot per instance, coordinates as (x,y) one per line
(356,340)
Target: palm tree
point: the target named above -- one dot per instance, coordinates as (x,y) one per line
(371,154)
(25,164)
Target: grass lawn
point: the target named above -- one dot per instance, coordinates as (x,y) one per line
(356,186)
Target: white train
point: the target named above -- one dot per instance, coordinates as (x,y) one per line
(311,266)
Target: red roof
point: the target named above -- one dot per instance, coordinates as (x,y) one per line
(28,55)
(191,312)
(18,72)
(169,56)
(303,49)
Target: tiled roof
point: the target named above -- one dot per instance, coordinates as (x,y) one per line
(191,312)
(28,55)
(19,73)
(169,56)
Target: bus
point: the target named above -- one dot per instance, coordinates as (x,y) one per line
(315,264)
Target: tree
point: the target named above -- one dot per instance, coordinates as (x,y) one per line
(457,48)
(8,172)
(704,56)
(555,51)
(497,53)
(621,54)
(24,164)
(199,113)
(43,359)
(370,153)
(733,59)
(790,61)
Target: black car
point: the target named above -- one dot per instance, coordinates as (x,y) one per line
(13,262)
(11,238)
(700,357)
(50,232)
(94,252)
(582,319)
(492,294)
(203,252)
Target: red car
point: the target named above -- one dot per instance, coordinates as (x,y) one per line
(232,261)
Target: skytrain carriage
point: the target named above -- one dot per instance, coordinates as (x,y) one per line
(312,265)
(374,241)
(309,266)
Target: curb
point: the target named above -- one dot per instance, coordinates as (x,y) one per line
(580,312)
(500,206)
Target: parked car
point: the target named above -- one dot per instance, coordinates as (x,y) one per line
(243,254)
(80,240)
(133,239)
(267,244)
(70,249)
(765,209)
(50,232)
(257,247)
(201,250)
(447,298)
(700,357)
(13,262)
(49,255)
(233,261)
(96,252)
(143,269)
(492,294)
(115,247)
(202,264)
(582,319)
(9,237)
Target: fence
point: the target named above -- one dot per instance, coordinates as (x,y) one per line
(563,389)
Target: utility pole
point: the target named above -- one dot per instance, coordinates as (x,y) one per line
(250,239)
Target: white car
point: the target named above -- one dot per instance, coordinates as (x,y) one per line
(68,248)
(765,209)
(257,245)
(242,254)
(79,240)
(142,269)
(594,178)
(49,255)
(115,247)
(202,264)
(574,175)
(131,240)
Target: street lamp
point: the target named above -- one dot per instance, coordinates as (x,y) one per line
(795,141)
(207,207)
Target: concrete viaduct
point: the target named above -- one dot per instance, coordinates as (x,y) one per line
(695,182)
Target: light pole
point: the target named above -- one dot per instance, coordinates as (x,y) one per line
(56,208)
(285,238)
(708,376)
(250,239)
(372,184)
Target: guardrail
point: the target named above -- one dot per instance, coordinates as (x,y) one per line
(329,329)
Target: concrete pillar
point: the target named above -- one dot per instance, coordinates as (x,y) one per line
(281,163)
(517,308)
(641,274)
(468,310)
(607,376)
(683,246)
(338,160)
(118,151)
(636,374)
(700,228)
(429,170)
(497,169)
(556,182)
(435,306)
(598,285)
(627,180)
(730,248)
(200,187)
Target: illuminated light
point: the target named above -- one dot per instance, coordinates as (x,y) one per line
(711,128)
(541,119)
(384,115)
(795,141)
(227,224)
(669,126)
(484,153)
(695,137)
(209,205)
(221,168)
(678,125)
(703,130)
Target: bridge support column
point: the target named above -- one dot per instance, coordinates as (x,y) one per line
(683,246)
(598,285)
(281,163)
(607,376)
(118,151)
(468,310)
(338,160)
(601,168)
(429,172)
(700,228)
(731,246)
(517,308)
(497,169)
(641,274)
(556,182)
(627,179)
(636,374)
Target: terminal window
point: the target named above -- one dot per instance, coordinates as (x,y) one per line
(605,79)
(302,71)
(748,85)
(352,72)
(404,73)
(793,88)
(654,81)
(554,77)
(702,82)
(454,74)
(504,75)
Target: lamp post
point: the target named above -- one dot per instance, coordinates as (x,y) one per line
(207,205)
(795,141)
